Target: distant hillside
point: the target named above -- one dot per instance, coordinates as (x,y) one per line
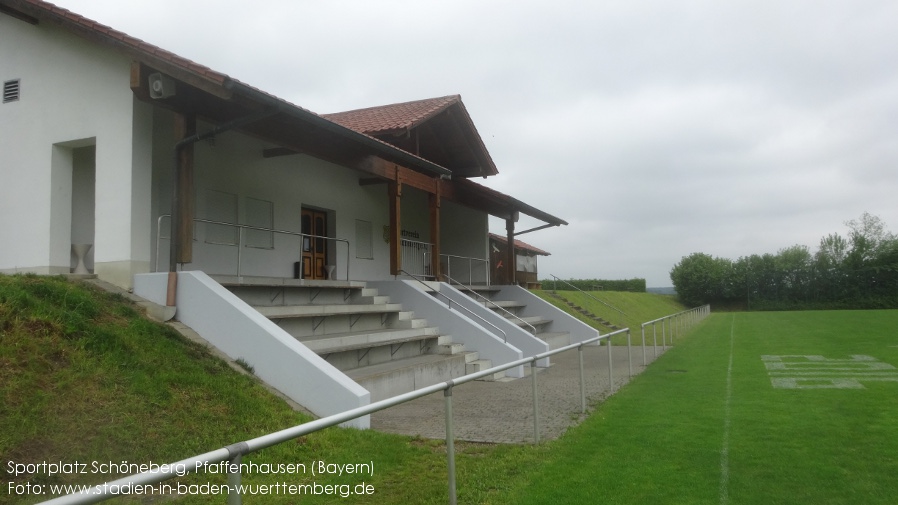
(662,291)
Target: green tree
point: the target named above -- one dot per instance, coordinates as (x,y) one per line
(700,278)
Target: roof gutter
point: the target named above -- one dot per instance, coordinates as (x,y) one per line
(289,109)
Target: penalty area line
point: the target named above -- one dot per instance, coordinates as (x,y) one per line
(725,446)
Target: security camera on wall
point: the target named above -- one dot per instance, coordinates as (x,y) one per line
(161,86)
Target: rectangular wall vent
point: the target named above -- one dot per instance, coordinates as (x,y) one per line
(10,91)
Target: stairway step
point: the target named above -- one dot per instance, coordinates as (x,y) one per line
(505,304)
(282,311)
(451,348)
(532,320)
(327,344)
(483,364)
(391,378)
(555,339)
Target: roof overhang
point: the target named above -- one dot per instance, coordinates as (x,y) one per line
(493,202)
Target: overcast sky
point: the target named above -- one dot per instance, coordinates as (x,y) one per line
(655,128)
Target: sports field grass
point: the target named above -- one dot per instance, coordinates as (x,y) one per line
(706,424)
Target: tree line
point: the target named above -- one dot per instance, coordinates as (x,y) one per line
(853,272)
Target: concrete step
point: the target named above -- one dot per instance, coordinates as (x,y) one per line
(532,320)
(555,339)
(450,348)
(479,365)
(505,304)
(389,379)
(333,343)
(283,311)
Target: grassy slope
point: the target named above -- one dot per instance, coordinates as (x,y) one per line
(83,377)
(637,307)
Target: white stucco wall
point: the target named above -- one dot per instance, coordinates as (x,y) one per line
(73,94)
(76,94)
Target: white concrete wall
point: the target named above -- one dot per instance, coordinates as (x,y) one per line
(76,94)
(464,329)
(517,336)
(73,94)
(239,331)
(536,306)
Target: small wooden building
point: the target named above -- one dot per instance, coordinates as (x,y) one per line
(525,267)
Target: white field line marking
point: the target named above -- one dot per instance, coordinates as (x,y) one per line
(725,446)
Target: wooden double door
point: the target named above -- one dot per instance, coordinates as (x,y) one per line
(314,246)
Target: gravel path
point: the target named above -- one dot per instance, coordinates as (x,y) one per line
(502,412)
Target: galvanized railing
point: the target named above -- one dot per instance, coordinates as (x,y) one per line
(235,452)
(488,302)
(682,321)
(242,228)
(451,307)
(416,257)
(471,262)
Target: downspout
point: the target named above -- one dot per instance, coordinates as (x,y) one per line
(175,202)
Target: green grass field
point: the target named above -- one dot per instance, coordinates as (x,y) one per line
(705,424)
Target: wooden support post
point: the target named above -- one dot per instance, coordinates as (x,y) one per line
(395,194)
(435,232)
(185,126)
(510,255)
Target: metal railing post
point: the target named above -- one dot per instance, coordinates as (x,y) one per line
(644,362)
(655,339)
(629,353)
(610,370)
(234,479)
(535,402)
(664,334)
(582,381)
(450,445)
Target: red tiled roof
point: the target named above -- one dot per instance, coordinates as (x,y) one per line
(71,19)
(398,116)
(519,245)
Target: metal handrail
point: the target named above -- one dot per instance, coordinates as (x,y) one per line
(425,248)
(449,304)
(486,263)
(487,300)
(241,228)
(589,295)
(693,315)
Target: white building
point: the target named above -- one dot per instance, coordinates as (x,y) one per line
(104,137)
